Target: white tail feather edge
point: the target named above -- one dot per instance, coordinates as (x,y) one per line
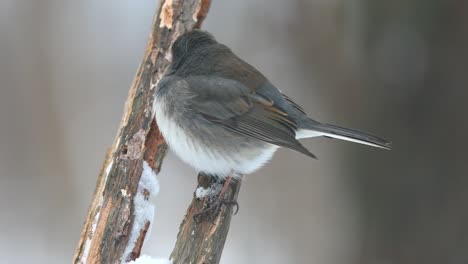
(304,133)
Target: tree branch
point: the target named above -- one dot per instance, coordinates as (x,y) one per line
(201,239)
(111,216)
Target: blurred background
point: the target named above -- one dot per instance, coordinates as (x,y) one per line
(395,68)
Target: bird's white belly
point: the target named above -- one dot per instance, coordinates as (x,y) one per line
(220,163)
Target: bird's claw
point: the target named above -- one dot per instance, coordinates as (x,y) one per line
(230,202)
(217,206)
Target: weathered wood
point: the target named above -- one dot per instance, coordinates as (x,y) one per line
(201,239)
(110,218)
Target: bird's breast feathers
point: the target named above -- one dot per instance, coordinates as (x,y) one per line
(206,158)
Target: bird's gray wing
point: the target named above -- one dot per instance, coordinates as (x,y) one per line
(234,106)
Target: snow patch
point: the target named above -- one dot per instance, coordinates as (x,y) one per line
(149,260)
(148,188)
(124,193)
(202,192)
(108,168)
(211,191)
(107,171)
(88,241)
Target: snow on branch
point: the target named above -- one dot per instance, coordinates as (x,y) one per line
(148,187)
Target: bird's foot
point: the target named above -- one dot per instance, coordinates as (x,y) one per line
(219,202)
(216,207)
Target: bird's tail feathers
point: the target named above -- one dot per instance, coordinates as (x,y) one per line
(332,131)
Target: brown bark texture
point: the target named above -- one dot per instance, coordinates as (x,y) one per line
(111,215)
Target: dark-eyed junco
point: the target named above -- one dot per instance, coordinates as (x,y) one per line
(223,117)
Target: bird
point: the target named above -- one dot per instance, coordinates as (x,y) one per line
(223,117)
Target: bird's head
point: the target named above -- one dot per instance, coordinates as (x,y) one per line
(189,42)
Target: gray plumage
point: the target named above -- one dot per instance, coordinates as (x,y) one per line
(227,110)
